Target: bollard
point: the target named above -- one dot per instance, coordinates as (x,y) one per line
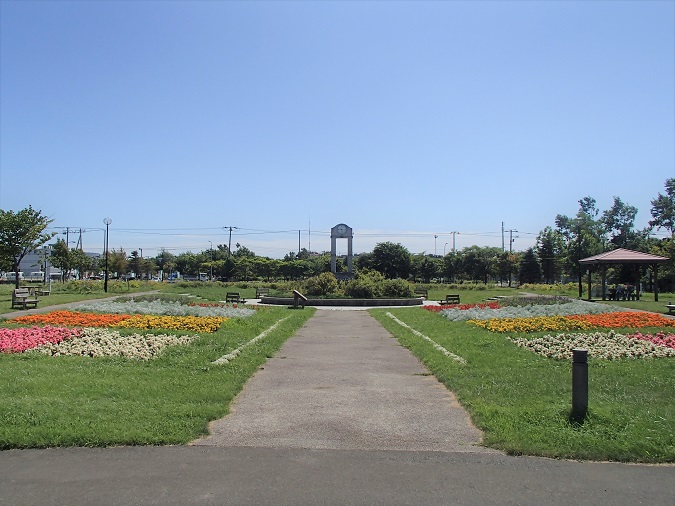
(579,384)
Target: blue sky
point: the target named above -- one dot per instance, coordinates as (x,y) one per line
(404,120)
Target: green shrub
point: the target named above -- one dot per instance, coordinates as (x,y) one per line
(323,284)
(362,288)
(397,288)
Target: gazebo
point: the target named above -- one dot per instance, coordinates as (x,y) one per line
(622,256)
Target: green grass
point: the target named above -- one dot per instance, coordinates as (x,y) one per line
(78,401)
(522,401)
(63,294)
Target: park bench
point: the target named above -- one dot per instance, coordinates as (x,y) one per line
(234,297)
(260,292)
(671,307)
(450,299)
(21,297)
(422,292)
(298,299)
(42,291)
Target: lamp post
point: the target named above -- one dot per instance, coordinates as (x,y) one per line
(435,237)
(211,264)
(444,248)
(107,222)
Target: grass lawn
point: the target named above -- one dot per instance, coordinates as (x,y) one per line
(79,401)
(522,401)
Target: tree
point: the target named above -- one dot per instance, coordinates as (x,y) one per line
(550,249)
(426,267)
(618,222)
(663,209)
(392,260)
(136,264)
(243,251)
(21,233)
(118,262)
(60,257)
(583,235)
(530,268)
(80,261)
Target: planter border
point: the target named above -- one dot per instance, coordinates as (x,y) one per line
(288,301)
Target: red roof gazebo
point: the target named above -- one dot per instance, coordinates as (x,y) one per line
(623,256)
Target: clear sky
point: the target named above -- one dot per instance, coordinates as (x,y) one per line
(404,120)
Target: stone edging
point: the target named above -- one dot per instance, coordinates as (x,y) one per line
(287,301)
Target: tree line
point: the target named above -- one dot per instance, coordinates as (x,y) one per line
(554,258)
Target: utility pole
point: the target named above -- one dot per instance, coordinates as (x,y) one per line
(298,244)
(511,239)
(503,237)
(229,244)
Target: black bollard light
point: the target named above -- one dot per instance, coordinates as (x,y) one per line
(579,384)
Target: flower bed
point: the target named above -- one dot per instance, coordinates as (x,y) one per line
(576,307)
(600,345)
(534,324)
(97,342)
(192,323)
(72,318)
(631,319)
(89,342)
(167,308)
(463,307)
(77,319)
(575,322)
(22,339)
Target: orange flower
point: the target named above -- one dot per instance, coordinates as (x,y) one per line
(73,318)
(623,319)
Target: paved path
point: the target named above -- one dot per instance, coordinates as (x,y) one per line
(342,382)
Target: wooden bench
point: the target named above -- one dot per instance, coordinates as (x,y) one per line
(422,292)
(234,298)
(42,291)
(671,307)
(450,299)
(21,297)
(260,292)
(298,299)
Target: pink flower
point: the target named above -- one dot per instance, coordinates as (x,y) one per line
(22,339)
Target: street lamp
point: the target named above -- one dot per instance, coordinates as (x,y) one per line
(211,264)
(107,222)
(435,237)
(444,248)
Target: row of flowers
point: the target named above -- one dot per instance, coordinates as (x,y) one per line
(462,307)
(576,307)
(167,308)
(78,319)
(609,345)
(575,322)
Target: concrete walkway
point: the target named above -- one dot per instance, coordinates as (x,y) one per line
(342,382)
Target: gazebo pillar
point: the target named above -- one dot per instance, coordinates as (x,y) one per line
(655,268)
(589,283)
(604,280)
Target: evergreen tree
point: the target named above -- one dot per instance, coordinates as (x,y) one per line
(530,268)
